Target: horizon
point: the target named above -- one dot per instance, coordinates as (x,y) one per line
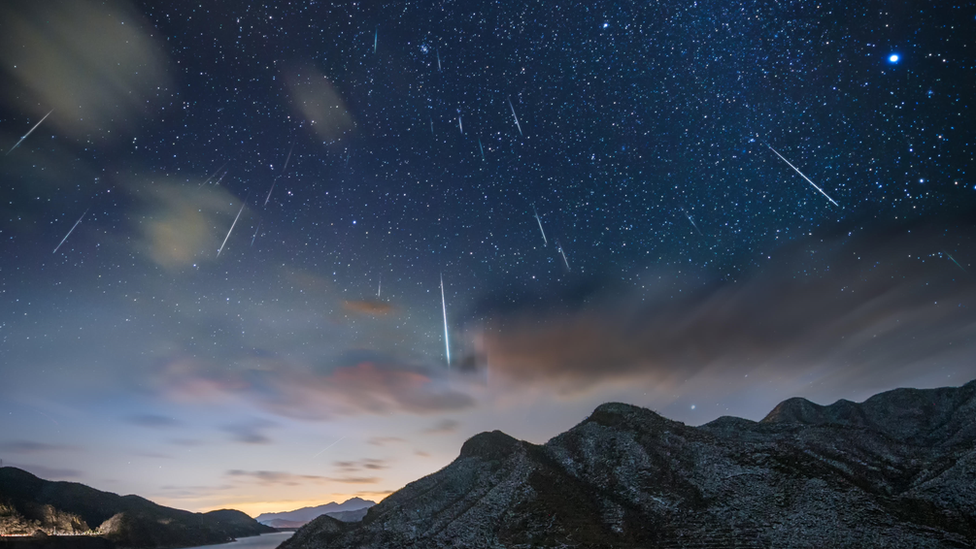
(255,509)
(267,255)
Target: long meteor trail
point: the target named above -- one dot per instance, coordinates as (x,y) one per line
(86,211)
(232,227)
(562,253)
(517,125)
(29,132)
(447,344)
(803,176)
(545,241)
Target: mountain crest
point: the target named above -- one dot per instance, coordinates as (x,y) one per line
(490,445)
(893,471)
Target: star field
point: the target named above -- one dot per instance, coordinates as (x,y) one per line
(699,208)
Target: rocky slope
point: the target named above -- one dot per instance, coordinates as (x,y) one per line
(898,470)
(29,504)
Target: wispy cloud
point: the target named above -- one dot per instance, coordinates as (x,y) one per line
(362,388)
(250,432)
(367,464)
(33,447)
(275,477)
(154,421)
(385,441)
(855,309)
(443,427)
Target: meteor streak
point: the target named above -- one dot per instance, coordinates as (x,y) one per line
(460,127)
(29,132)
(954,261)
(538,220)
(562,253)
(83,215)
(447,344)
(255,235)
(275,182)
(215,173)
(480,146)
(376,38)
(232,228)
(692,221)
(438,59)
(379,289)
(803,176)
(517,125)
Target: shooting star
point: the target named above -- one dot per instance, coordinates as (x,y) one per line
(517,125)
(460,127)
(376,38)
(271,190)
(562,253)
(29,132)
(327,447)
(232,227)
(538,220)
(431,125)
(73,229)
(803,176)
(480,146)
(379,289)
(221,178)
(215,173)
(258,228)
(692,221)
(438,59)
(954,261)
(447,345)
(275,182)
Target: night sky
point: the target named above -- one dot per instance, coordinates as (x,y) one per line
(703,208)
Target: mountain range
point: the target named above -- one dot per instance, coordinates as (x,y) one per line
(350,510)
(898,470)
(29,505)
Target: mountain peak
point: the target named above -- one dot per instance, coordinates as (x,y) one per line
(629,478)
(489,445)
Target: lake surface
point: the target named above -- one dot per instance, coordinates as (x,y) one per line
(264,541)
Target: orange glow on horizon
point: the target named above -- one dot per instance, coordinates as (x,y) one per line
(255,508)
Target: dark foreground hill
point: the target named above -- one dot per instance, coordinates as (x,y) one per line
(29,504)
(898,470)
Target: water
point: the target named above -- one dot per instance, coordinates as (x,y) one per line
(264,541)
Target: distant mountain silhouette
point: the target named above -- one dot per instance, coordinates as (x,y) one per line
(350,510)
(29,504)
(894,471)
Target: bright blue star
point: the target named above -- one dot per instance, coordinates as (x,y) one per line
(894,58)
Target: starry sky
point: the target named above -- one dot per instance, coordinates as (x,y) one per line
(225,233)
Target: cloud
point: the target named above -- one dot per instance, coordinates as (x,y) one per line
(154,421)
(318,102)
(291,391)
(250,432)
(365,464)
(268,478)
(374,308)
(443,427)
(855,308)
(385,441)
(49,473)
(183,224)
(32,447)
(355,480)
(96,64)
